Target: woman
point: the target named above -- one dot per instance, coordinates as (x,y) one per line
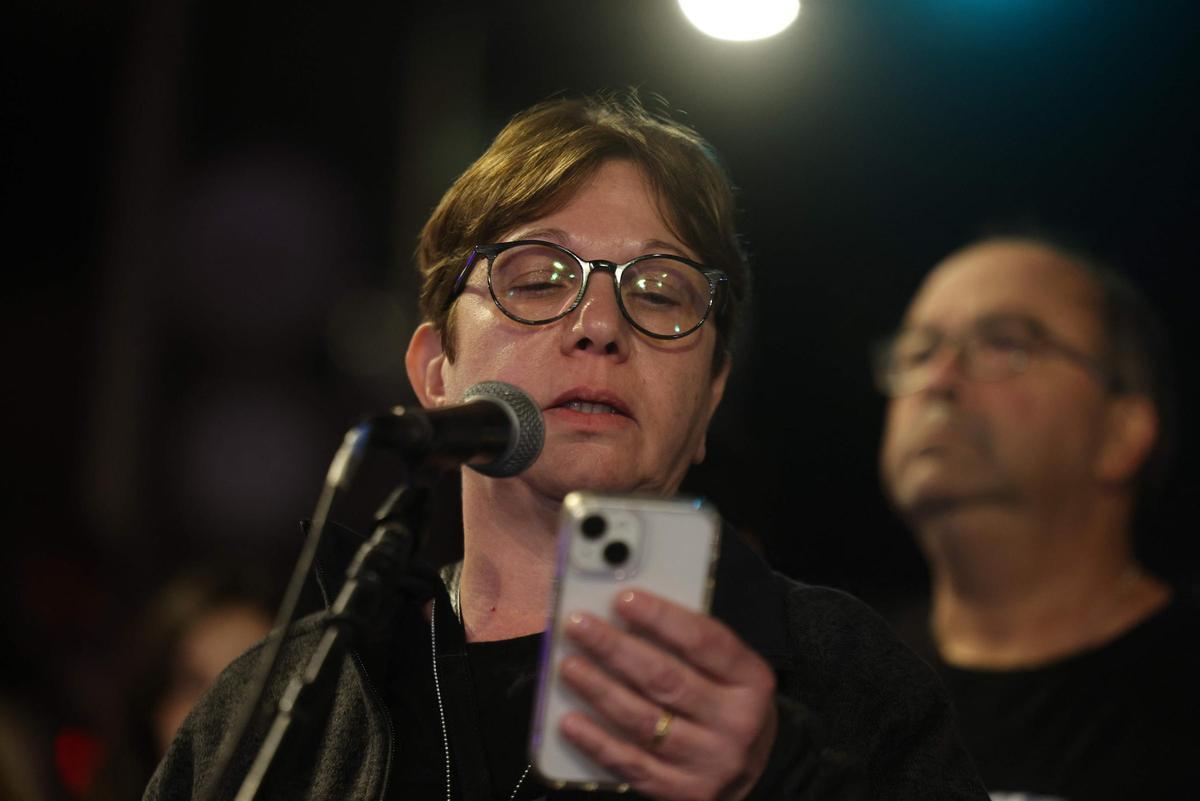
(534,272)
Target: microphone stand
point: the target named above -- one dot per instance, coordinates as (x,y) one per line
(383,573)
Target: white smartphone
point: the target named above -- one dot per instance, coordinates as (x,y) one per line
(608,544)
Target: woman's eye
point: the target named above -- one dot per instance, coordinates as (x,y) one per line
(651,297)
(537,280)
(533,284)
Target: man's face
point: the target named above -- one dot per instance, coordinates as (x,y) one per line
(623,412)
(1026,440)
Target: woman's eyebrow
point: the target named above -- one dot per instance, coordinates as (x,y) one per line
(658,244)
(556,235)
(561,237)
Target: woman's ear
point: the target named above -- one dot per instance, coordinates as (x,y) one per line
(423,362)
(716,391)
(1131,431)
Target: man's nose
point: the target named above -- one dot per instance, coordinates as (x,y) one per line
(946,370)
(597,325)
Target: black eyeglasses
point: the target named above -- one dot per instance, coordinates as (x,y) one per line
(534,282)
(992,349)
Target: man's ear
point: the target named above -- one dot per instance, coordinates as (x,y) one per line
(1131,429)
(716,391)
(424,362)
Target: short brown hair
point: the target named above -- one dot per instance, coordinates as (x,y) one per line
(545,154)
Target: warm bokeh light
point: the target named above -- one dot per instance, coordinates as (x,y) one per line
(742,21)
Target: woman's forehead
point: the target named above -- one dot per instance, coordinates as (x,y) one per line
(616,207)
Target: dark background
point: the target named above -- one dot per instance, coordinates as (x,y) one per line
(209,210)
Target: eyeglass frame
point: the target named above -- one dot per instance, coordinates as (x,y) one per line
(714,277)
(1046,342)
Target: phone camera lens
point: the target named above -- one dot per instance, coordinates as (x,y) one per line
(594,526)
(616,553)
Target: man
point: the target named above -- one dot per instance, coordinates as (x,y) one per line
(1027,412)
(589,257)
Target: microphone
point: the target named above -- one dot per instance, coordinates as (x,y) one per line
(496,430)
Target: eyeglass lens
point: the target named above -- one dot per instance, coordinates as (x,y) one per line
(989,351)
(538,283)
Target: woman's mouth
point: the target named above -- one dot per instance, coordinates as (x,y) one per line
(588,407)
(591,409)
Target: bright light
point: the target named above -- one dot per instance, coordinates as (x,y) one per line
(740,20)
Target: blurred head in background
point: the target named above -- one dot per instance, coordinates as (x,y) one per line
(1025,377)
(1029,414)
(196,625)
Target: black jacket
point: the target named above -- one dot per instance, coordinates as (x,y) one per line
(860,715)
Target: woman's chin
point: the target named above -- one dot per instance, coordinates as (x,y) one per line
(585,473)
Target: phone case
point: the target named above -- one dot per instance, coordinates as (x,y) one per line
(671,548)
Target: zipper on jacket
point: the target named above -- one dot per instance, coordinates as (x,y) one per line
(373,691)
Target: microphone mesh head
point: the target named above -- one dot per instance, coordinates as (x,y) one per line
(528,428)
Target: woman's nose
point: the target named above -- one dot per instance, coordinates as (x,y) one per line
(597,324)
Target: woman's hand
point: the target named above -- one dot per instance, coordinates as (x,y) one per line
(693,704)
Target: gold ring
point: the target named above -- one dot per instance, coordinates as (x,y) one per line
(661,728)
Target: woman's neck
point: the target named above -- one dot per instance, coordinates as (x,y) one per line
(508,558)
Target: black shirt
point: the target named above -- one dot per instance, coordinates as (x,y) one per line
(503,680)
(1121,721)
(504,675)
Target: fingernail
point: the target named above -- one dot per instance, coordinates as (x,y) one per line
(579,621)
(631,604)
(569,667)
(570,725)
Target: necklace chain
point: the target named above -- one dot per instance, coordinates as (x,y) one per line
(437,689)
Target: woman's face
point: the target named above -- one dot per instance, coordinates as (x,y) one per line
(210,643)
(624,412)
